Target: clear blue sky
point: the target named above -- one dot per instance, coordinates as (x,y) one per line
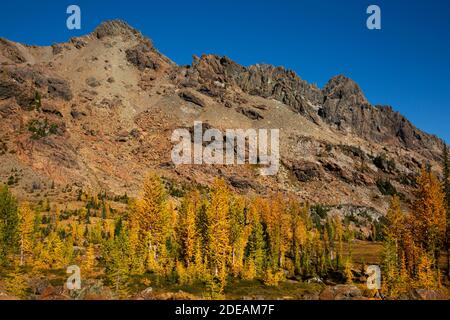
(406,64)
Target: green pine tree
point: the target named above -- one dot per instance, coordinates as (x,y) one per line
(9,226)
(115,252)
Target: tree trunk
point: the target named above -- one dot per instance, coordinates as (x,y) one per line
(21,251)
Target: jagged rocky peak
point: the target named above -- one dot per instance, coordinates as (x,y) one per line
(259,79)
(346,107)
(114,28)
(262,80)
(342,88)
(141,51)
(213,67)
(109,30)
(277,81)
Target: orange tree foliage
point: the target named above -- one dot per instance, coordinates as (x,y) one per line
(413,241)
(429,213)
(206,236)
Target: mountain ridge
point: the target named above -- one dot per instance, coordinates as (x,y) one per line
(118,27)
(98,111)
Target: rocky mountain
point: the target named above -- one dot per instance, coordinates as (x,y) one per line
(97,112)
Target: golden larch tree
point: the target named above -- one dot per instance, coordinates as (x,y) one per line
(26,225)
(187,228)
(429,213)
(218,247)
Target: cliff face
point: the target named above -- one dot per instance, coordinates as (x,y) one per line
(346,107)
(98,111)
(265,81)
(341,103)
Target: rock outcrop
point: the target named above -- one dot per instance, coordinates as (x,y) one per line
(10,51)
(214,74)
(22,83)
(141,57)
(114,28)
(342,292)
(346,107)
(341,103)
